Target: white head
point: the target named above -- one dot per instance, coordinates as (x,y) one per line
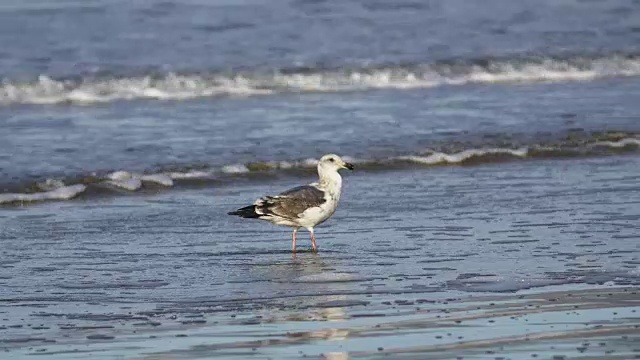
(332,163)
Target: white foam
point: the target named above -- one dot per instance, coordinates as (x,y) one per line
(120,176)
(530,73)
(132,184)
(50,184)
(124,180)
(133,181)
(235,169)
(440,158)
(61,193)
(310,162)
(161,179)
(285,165)
(80,96)
(619,144)
(193,174)
(171,86)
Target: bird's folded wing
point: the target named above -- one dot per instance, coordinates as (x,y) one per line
(293,202)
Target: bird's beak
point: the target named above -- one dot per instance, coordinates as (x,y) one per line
(348,166)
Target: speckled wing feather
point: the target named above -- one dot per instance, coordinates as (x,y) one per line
(291,203)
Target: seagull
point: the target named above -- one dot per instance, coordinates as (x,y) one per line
(303,206)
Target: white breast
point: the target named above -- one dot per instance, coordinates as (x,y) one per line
(331,184)
(320,214)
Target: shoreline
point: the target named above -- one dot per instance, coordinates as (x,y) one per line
(595,321)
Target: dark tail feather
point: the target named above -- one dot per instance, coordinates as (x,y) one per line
(246,212)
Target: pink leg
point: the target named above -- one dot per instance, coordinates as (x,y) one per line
(293,242)
(313,243)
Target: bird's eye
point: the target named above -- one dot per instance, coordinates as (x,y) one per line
(332,159)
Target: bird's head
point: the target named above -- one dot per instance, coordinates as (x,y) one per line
(333,162)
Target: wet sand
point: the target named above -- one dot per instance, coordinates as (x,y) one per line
(592,323)
(512,260)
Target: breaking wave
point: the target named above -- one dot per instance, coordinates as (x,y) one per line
(117,182)
(178,86)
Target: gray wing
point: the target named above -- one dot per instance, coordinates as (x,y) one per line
(291,203)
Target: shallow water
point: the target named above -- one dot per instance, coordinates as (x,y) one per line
(133,272)
(207,141)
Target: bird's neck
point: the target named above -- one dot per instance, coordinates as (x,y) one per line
(331,181)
